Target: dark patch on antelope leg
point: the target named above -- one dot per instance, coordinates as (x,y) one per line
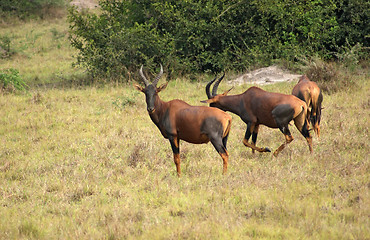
(220,148)
(302,124)
(224,141)
(288,139)
(254,138)
(306,133)
(224,155)
(212,128)
(176,153)
(318,110)
(252,146)
(218,145)
(248,132)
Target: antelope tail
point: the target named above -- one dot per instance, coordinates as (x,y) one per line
(227,128)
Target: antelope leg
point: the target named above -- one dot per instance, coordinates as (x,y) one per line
(176,153)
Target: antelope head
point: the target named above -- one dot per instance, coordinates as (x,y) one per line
(214,98)
(150,90)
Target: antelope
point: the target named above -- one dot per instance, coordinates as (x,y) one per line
(309,92)
(178,120)
(257,107)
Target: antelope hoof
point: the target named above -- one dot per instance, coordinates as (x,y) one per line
(267,149)
(276,153)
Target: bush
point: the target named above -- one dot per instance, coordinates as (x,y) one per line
(211,36)
(330,76)
(10,81)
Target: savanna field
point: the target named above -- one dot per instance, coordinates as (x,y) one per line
(86,162)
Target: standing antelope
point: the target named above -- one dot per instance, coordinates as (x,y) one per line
(178,120)
(256,106)
(309,92)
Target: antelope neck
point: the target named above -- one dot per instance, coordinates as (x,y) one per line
(231,103)
(157,106)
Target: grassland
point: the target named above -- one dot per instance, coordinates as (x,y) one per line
(40,51)
(88,163)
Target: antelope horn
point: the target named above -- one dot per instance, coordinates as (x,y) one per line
(146,82)
(208,87)
(158,76)
(214,91)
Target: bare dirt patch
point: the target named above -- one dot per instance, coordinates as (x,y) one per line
(85,3)
(263,76)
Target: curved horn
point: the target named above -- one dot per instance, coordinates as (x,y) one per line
(208,87)
(214,91)
(146,82)
(158,76)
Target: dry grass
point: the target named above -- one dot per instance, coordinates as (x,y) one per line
(90,164)
(42,53)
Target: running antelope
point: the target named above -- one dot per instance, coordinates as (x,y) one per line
(309,92)
(256,106)
(178,120)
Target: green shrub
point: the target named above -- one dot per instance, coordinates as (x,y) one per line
(10,81)
(211,36)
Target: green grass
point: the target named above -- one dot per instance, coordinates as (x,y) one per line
(42,53)
(88,163)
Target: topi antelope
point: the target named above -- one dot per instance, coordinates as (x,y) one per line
(309,92)
(178,120)
(256,106)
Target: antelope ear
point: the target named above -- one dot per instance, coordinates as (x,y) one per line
(139,88)
(163,86)
(212,100)
(225,93)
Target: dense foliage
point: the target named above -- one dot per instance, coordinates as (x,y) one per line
(198,36)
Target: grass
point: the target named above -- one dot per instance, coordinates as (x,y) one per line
(41,51)
(88,163)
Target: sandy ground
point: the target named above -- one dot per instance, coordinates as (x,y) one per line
(263,76)
(85,3)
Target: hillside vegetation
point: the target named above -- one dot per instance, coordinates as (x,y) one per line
(81,159)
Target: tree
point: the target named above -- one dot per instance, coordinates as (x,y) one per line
(198,35)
